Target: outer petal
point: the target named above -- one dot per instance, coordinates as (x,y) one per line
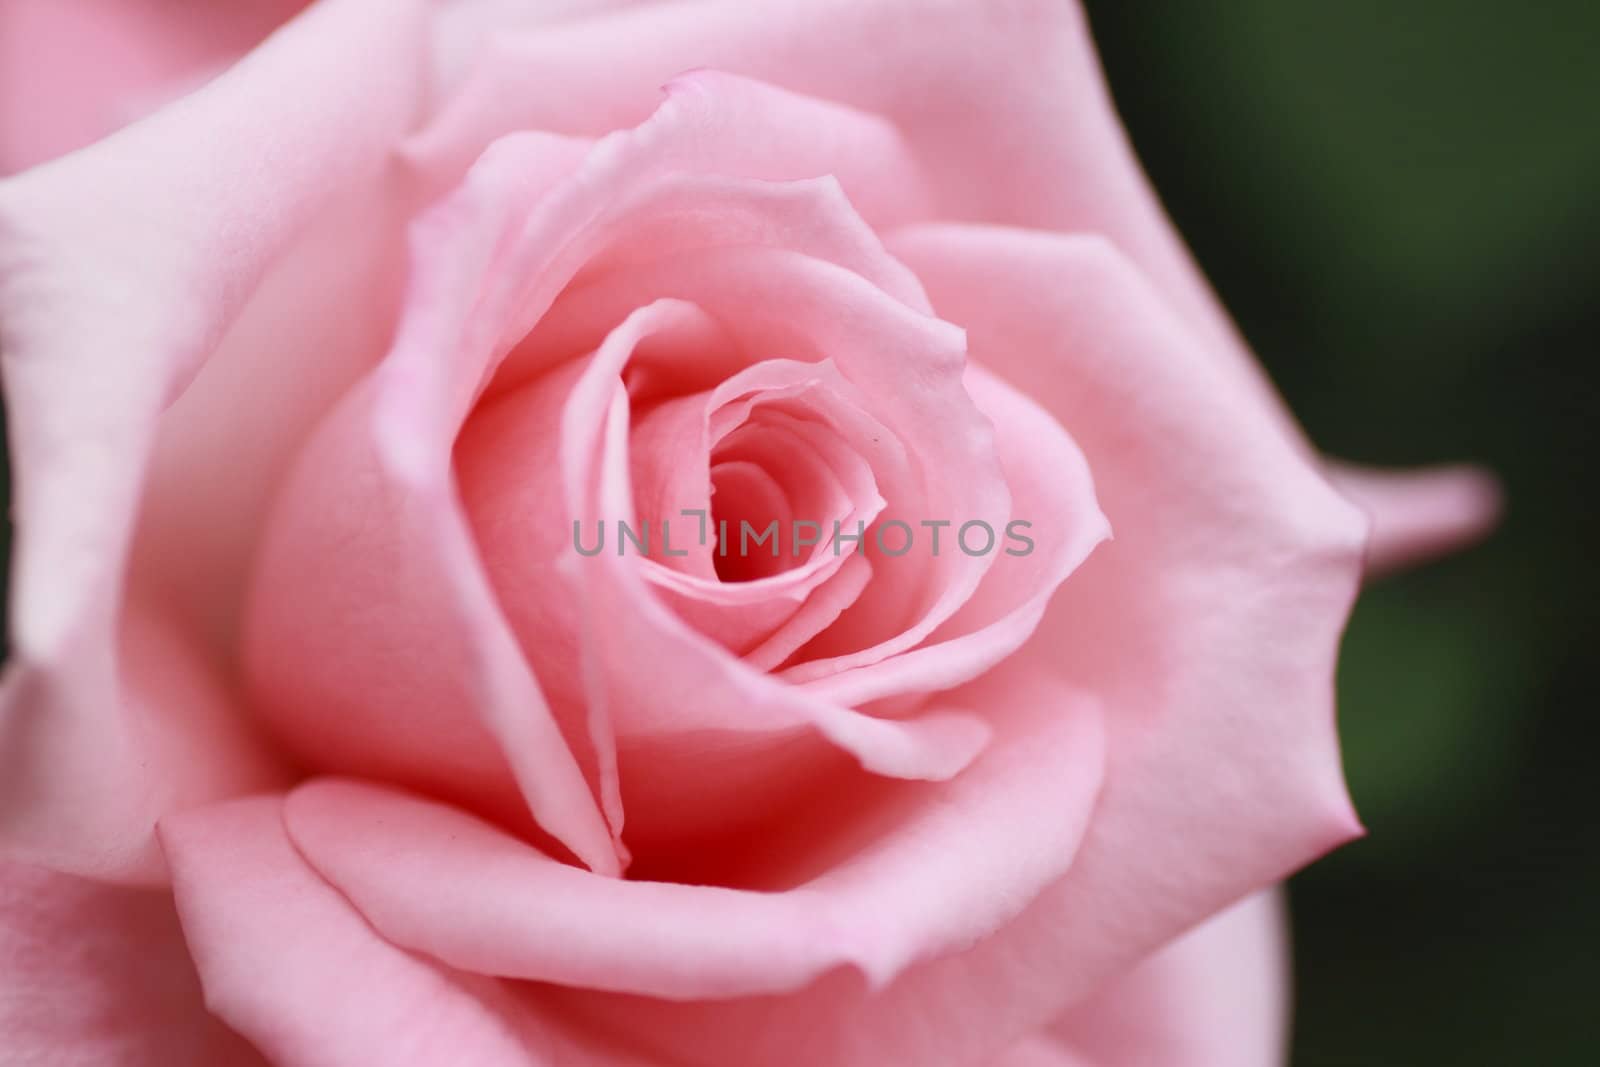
(98,976)
(120,267)
(323,314)
(72,72)
(285,959)
(1218,996)
(1419,514)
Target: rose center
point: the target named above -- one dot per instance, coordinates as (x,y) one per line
(753,522)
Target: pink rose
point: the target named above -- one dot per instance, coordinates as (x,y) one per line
(324,381)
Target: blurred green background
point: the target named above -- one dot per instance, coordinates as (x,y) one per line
(1399,200)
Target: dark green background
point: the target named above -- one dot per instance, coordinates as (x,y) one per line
(1399,200)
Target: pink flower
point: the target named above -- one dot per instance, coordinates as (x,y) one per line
(322,379)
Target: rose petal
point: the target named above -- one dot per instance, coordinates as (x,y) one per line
(93,974)
(322,316)
(460,28)
(431,690)
(785,441)
(375,646)
(1051,491)
(1421,513)
(72,73)
(901,873)
(724,124)
(694,688)
(1218,996)
(820,611)
(796,431)
(909,365)
(287,961)
(146,245)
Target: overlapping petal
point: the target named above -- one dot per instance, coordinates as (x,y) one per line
(375,645)
(1053,498)
(921,870)
(287,961)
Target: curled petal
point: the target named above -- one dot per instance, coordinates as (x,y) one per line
(734,125)
(1419,514)
(1053,498)
(286,960)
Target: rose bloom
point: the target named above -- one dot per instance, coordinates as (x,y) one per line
(321,744)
